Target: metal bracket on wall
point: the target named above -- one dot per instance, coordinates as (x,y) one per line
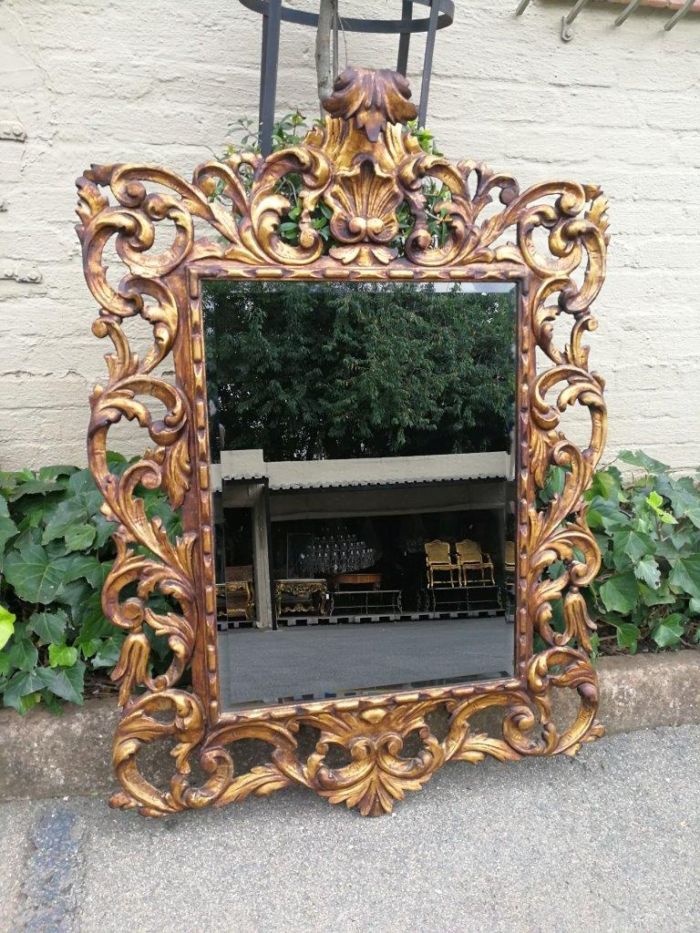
(567,33)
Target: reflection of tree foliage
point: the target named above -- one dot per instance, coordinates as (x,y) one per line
(309,370)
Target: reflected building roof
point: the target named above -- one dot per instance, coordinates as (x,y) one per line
(249,465)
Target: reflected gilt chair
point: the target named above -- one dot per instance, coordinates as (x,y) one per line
(236,597)
(472,560)
(509,563)
(438,560)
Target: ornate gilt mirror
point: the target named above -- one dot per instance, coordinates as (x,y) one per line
(353,394)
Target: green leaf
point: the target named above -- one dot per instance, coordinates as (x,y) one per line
(601,513)
(89,647)
(80,537)
(93,623)
(108,655)
(49,626)
(64,682)
(73,595)
(685,500)
(82,483)
(620,593)
(669,631)
(53,472)
(34,487)
(639,459)
(694,606)
(21,685)
(35,577)
(23,655)
(661,597)
(8,529)
(628,636)
(633,543)
(648,571)
(62,655)
(685,575)
(85,567)
(69,512)
(656,502)
(7,625)
(607,484)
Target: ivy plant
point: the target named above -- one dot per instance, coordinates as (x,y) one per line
(55,552)
(647,595)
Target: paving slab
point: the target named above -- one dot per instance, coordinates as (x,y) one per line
(607,841)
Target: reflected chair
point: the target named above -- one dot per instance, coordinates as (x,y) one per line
(236,597)
(472,560)
(438,560)
(509,563)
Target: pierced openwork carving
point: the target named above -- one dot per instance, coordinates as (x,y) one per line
(364,165)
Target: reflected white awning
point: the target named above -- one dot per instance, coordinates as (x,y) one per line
(249,465)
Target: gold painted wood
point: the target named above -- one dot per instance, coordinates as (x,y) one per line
(363,164)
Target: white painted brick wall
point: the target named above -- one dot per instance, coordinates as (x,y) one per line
(149,80)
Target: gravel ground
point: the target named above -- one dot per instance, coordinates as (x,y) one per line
(609,841)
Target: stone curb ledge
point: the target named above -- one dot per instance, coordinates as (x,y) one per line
(42,755)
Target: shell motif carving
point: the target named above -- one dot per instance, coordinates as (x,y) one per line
(364,165)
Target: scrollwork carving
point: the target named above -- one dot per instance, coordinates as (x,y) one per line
(363,165)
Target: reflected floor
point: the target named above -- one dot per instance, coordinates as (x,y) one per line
(265,666)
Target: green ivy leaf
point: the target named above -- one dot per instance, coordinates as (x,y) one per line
(35,577)
(620,593)
(22,684)
(85,567)
(685,575)
(694,606)
(669,631)
(108,655)
(69,512)
(49,626)
(8,529)
(7,625)
(634,544)
(606,515)
(34,487)
(80,537)
(54,472)
(639,459)
(23,655)
(64,682)
(661,597)
(628,636)
(648,571)
(685,500)
(62,655)
(656,504)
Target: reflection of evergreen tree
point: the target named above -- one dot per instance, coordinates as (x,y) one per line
(308,370)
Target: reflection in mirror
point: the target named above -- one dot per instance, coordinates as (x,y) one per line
(363,451)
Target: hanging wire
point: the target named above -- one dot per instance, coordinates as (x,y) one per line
(334,30)
(338,22)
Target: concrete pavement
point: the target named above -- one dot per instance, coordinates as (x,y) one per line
(608,841)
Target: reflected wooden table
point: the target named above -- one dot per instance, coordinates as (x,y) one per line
(367,580)
(301,595)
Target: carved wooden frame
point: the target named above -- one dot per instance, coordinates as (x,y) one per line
(363,164)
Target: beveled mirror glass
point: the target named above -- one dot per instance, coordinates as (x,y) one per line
(365,490)
(359,425)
